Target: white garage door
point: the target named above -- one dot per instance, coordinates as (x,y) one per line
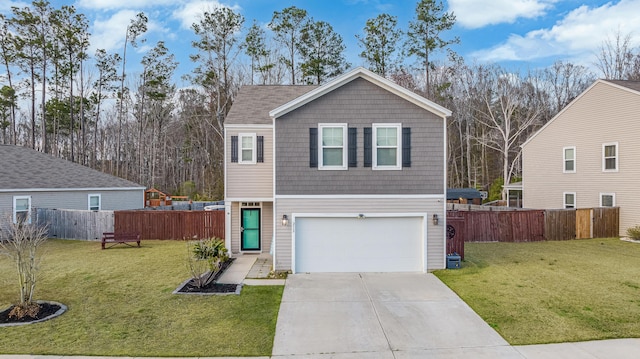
(372,244)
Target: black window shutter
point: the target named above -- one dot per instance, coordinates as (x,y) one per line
(234,148)
(353,147)
(313,147)
(260,149)
(406,147)
(368,140)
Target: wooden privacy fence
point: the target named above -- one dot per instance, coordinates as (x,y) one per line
(171,224)
(600,222)
(75,224)
(535,225)
(500,226)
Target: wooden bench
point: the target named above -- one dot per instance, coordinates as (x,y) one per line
(120,238)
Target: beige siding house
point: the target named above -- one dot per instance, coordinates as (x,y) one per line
(345,177)
(589,154)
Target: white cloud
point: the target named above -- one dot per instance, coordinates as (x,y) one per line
(578,35)
(192,11)
(109,34)
(474,14)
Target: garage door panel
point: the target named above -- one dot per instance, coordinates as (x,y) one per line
(373,244)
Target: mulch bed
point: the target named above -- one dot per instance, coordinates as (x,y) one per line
(212,287)
(46,309)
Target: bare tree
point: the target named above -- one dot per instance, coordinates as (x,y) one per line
(617,60)
(510,109)
(20,241)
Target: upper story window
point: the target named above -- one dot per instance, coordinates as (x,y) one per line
(569,200)
(607,199)
(333,146)
(387,154)
(21,209)
(247,148)
(94,202)
(569,154)
(610,157)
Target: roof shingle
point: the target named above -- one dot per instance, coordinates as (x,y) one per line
(253,102)
(24,169)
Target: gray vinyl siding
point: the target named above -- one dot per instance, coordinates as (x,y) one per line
(601,115)
(266,226)
(110,200)
(250,180)
(436,244)
(359,104)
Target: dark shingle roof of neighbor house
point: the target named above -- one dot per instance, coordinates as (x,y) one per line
(24,169)
(466,193)
(253,103)
(633,85)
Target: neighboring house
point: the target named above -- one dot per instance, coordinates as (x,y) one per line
(346,177)
(588,155)
(32,179)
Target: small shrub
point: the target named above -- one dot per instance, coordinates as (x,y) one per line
(634,233)
(204,259)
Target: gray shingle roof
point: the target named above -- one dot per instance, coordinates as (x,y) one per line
(24,168)
(633,85)
(253,103)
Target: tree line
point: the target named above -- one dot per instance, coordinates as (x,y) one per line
(88,108)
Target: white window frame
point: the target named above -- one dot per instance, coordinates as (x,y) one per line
(564,200)
(565,159)
(398,127)
(89,201)
(15,217)
(604,159)
(613,201)
(344,147)
(253,137)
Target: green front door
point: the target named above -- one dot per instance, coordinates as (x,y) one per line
(250,229)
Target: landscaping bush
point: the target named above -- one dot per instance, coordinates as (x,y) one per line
(204,259)
(634,233)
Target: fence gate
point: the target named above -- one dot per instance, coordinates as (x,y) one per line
(583,223)
(455,234)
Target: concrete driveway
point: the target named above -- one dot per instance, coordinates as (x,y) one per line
(380,315)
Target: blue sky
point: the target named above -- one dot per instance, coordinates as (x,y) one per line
(519,34)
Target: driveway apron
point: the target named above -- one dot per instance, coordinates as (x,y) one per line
(380,315)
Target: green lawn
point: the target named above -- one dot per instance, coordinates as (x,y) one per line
(549,292)
(120,303)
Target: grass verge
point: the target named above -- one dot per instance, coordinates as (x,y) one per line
(121,304)
(547,292)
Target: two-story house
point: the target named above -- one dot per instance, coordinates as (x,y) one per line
(588,155)
(345,177)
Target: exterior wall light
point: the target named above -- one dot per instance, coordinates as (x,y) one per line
(285,220)
(435,219)
(361,216)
